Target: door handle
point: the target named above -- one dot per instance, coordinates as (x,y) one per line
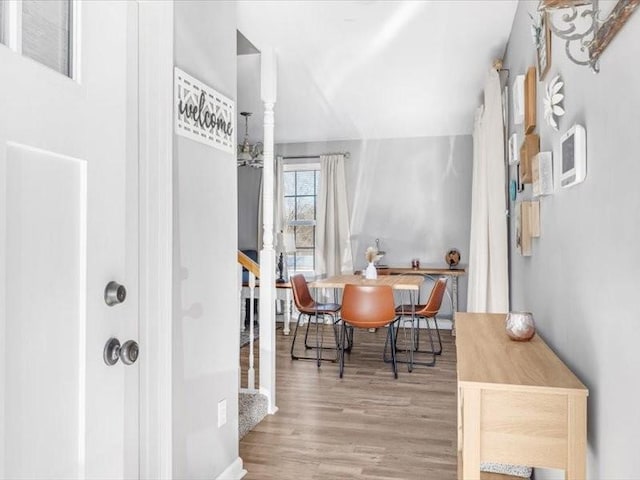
(114,294)
(127,352)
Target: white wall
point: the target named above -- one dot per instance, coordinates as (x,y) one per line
(414,194)
(581,282)
(249,179)
(205,334)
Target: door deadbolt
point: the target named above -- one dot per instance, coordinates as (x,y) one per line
(127,352)
(114,293)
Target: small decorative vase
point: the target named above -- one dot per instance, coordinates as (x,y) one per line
(520,326)
(370,272)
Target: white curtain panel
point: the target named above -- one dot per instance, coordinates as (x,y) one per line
(333,236)
(488,289)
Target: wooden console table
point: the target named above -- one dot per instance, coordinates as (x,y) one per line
(517,402)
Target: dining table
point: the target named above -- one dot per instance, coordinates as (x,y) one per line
(408,285)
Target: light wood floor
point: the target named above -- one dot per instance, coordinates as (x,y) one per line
(364,426)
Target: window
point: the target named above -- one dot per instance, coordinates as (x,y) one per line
(41,30)
(300,192)
(46,33)
(3,18)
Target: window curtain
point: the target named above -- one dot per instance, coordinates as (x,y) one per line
(488,289)
(333,237)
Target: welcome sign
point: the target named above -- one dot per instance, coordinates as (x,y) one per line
(203,114)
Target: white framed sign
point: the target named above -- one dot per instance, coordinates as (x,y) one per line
(203,114)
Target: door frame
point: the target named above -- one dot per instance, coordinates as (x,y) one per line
(155,83)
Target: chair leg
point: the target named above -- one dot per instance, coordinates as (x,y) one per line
(342,341)
(306,335)
(306,343)
(318,342)
(417,343)
(414,344)
(293,341)
(387,341)
(439,351)
(350,332)
(393,350)
(433,350)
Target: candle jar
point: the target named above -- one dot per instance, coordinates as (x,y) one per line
(520,326)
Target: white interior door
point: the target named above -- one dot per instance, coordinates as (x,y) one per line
(68,226)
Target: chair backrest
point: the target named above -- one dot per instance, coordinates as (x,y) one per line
(368,306)
(434,303)
(301,295)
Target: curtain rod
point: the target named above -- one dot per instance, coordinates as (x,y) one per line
(346,155)
(499,66)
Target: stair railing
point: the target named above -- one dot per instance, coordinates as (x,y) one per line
(254,272)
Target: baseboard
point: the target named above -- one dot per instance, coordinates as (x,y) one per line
(235,471)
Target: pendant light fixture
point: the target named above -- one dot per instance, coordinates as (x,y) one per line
(249,155)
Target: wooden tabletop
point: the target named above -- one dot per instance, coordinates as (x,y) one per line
(397,282)
(487,356)
(286,284)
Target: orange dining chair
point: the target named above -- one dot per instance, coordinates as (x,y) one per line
(368,306)
(306,305)
(427,311)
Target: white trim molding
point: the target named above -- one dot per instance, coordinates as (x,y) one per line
(268,91)
(155,36)
(235,471)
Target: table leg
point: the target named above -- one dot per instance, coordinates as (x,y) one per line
(287,312)
(454,300)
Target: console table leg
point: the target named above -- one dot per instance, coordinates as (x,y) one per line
(454,301)
(577,438)
(471,422)
(287,312)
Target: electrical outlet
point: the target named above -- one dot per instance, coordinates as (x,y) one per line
(222,412)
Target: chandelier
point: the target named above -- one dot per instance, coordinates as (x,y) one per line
(249,155)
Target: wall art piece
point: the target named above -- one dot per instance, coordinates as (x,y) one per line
(587,27)
(529,149)
(514,146)
(530,100)
(609,29)
(542,172)
(543,47)
(523,233)
(520,185)
(518,100)
(527,226)
(534,218)
(203,114)
(573,156)
(552,101)
(505,106)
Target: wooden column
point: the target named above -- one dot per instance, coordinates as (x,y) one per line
(268,92)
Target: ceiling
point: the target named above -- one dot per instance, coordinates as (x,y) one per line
(371,69)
